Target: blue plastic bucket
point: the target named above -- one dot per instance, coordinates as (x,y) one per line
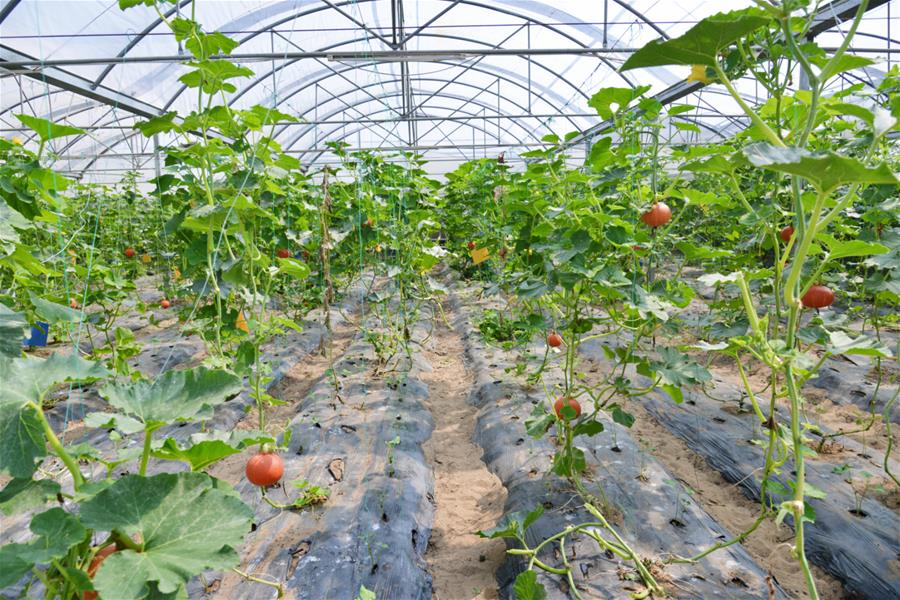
(39,334)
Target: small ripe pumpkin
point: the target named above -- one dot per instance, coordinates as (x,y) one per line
(786,234)
(129,252)
(95,564)
(265,469)
(554,340)
(818,296)
(565,401)
(283,253)
(658,215)
(471,245)
(165,303)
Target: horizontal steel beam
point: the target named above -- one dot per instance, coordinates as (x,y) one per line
(391,121)
(15,62)
(379,55)
(837,12)
(418,148)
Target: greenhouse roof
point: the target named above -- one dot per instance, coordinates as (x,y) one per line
(452,79)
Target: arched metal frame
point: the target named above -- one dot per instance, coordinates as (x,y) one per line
(529,12)
(259,15)
(110,147)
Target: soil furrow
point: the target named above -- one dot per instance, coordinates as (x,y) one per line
(467,496)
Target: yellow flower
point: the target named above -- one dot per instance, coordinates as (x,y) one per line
(17,141)
(700,73)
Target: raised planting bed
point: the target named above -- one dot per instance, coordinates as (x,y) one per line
(855,540)
(363,444)
(653,514)
(292,349)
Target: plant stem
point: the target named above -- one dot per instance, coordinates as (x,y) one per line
(145,455)
(279,587)
(754,118)
(799,480)
(58,449)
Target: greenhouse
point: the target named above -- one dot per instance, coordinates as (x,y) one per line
(449,299)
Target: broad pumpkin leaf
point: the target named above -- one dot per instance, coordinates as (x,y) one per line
(527,587)
(514,524)
(13,327)
(259,116)
(11,222)
(48,130)
(847,62)
(123,4)
(174,396)
(701,44)
(213,75)
(841,343)
(291,266)
(122,423)
(851,248)
(188,523)
(854,110)
(20,495)
(700,198)
(206,449)
(204,45)
(678,369)
(56,532)
(693,252)
(163,123)
(825,171)
(608,101)
(25,382)
(51,312)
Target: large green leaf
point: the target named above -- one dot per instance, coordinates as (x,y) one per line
(47,130)
(701,44)
(514,524)
(678,369)
(825,171)
(175,396)
(700,198)
(293,267)
(25,382)
(163,123)
(608,101)
(13,327)
(56,532)
(841,343)
(188,523)
(124,4)
(851,248)
(20,495)
(204,450)
(52,312)
(527,587)
(11,221)
(213,75)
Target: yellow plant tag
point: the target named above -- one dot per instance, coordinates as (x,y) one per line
(241,323)
(479,255)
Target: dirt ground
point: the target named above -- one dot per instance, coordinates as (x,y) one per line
(467,496)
